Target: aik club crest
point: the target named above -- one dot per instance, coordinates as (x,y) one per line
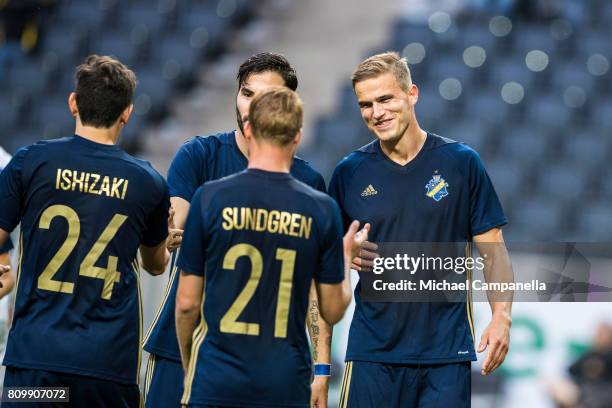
(436,187)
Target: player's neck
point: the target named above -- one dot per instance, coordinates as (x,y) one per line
(241,143)
(270,158)
(107,136)
(405,149)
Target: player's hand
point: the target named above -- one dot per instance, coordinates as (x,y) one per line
(4,269)
(175,235)
(318,392)
(365,260)
(497,338)
(354,239)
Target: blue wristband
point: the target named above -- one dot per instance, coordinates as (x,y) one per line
(323,370)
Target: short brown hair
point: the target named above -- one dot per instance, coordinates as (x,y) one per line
(104,88)
(276,115)
(381,64)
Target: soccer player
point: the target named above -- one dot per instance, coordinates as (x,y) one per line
(414,186)
(86,207)
(209,158)
(253,243)
(7,281)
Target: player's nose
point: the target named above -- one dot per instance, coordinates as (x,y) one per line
(377,111)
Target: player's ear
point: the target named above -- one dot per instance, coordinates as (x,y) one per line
(248,131)
(298,138)
(125,115)
(72,105)
(413,94)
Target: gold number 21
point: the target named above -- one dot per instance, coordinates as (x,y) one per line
(229,322)
(109,275)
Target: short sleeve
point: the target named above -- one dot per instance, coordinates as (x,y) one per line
(7,246)
(12,191)
(184,175)
(485,209)
(336,191)
(331,261)
(192,256)
(157,221)
(320,184)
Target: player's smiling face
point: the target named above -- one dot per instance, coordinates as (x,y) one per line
(253,85)
(385,107)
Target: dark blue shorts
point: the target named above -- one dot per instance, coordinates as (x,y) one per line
(207,406)
(370,385)
(83,391)
(163,383)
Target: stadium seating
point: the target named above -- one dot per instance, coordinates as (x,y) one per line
(548,149)
(163,41)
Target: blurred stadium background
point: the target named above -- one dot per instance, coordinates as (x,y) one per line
(524,82)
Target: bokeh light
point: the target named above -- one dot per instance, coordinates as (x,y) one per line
(171,69)
(450,89)
(142,104)
(598,65)
(536,60)
(414,53)
(574,96)
(512,92)
(226,8)
(474,56)
(500,26)
(439,22)
(199,37)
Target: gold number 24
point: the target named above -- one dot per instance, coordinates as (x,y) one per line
(229,322)
(110,275)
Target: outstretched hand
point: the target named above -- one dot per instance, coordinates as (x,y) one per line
(4,269)
(354,238)
(364,261)
(175,235)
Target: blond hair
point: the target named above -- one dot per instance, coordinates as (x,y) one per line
(276,115)
(381,64)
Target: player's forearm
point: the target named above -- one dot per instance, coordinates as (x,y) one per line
(181,210)
(8,283)
(189,298)
(155,260)
(186,322)
(4,235)
(7,280)
(319,330)
(347,287)
(502,311)
(498,268)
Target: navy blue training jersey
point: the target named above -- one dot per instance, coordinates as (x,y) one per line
(84,208)
(200,160)
(258,238)
(443,195)
(8,244)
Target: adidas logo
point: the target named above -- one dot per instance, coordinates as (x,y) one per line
(369,191)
